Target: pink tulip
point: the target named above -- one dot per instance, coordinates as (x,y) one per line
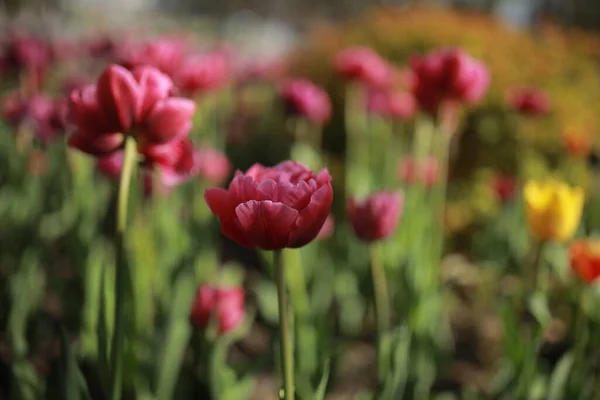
(364,65)
(224,305)
(202,73)
(529,101)
(273,207)
(125,103)
(400,106)
(327,230)
(214,166)
(376,217)
(304,98)
(165,54)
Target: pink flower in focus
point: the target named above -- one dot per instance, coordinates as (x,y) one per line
(505,187)
(224,305)
(214,166)
(364,65)
(304,98)
(448,76)
(386,104)
(125,103)
(273,207)
(529,101)
(376,217)
(327,229)
(203,72)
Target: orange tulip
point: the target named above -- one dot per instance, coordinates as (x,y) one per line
(584,256)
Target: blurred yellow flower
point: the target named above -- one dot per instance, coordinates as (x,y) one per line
(553,209)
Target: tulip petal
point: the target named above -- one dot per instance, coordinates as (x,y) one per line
(119,95)
(267,223)
(169,119)
(94,144)
(154,86)
(223,206)
(311,219)
(296,196)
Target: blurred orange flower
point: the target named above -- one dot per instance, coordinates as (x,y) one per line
(584,256)
(577,143)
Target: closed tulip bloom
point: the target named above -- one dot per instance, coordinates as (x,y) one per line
(584,256)
(40,113)
(553,209)
(125,103)
(224,305)
(203,73)
(273,207)
(364,65)
(529,101)
(394,105)
(304,98)
(448,76)
(376,217)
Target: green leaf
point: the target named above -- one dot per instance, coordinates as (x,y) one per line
(322,388)
(241,391)
(177,337)
(266,296)
(560,377)
(538,305)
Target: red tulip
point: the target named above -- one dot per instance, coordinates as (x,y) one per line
(24,52)
(529,101)
(304,98)
(387,104)
(165,54)
(376,217)
(448,75)
(122,103)
(203,72)
(505,187)
(101,47)
(225,305)
(577,143)
(214,166)
(327,229)
(273,208)
(363,65)
(584,256)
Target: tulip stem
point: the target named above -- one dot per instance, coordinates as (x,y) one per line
(536,258)
(118,337)
(287,360)
(382,309)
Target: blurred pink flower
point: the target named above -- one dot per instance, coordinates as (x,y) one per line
(213,165)
(394,105)
(428,173)
(448,76)
(304,98)
(224,305)
(40,113)
(327,229)
(165,54)
(364,65)
(529,101)
(204,72)
(376,217)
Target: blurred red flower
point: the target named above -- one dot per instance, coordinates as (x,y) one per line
(505,187)
(376,217)
(394,105)
(273,207)
(224,305)
(530,101)
(584,256)
(577,143)
(304,98)
(213,165)
(448,76)
(364,65)
(202,73)
(125,103)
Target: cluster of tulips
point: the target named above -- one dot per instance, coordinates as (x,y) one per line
(135,119)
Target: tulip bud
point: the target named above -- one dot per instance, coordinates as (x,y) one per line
(376,217)
(224,305)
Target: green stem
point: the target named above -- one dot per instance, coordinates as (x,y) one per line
(357,143)
(534,265)
(118,338)
(440,194)
(287,360)
(382,308)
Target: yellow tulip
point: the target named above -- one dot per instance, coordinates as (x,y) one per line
(553,209)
